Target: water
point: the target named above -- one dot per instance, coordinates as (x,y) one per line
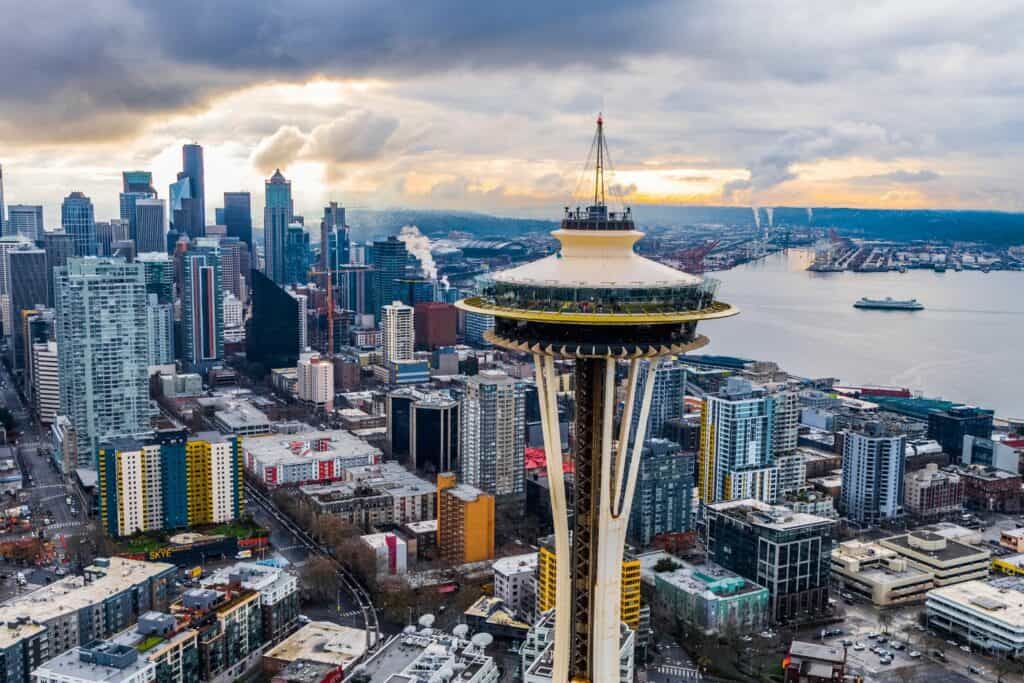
(965,346)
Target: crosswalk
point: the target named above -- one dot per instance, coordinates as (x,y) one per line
(351,613)
(63,525)
(680,672)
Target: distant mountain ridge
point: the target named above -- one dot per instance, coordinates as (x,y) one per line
(992,227)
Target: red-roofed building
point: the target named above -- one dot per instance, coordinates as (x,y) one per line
(534,459)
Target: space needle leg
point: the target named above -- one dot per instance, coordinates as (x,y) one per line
(544,367)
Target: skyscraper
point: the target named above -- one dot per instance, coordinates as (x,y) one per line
(3,230)
(238,217)
(59,248)
(873,469)
(159,275)
(160,320)
(77,220)
(103,350)
(277,332)
(202,305)
(664,492)
(736,449)
(136,185)
(389,258)
(8,243)
(667,400)
(493,429)
(335,249)
(296,255)
(398,332)
(149,233)
(109,233)
(233,259)
(192,168)
(27,272)
(277,216)
(25,220)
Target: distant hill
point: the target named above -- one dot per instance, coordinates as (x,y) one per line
(991,227)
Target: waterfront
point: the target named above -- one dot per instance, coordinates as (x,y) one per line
(965,346)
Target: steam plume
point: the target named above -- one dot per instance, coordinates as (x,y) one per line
(418,245)
(810,215)
(757,216)
(771,216)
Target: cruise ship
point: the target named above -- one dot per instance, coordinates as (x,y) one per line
(890,304)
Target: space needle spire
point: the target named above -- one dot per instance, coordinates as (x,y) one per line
(598,303)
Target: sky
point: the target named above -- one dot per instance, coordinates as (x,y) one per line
(491,106)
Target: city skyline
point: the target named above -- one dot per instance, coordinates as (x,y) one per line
(902,105)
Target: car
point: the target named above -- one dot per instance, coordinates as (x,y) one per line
(873,635)
(847,642)
(858,646)
(746,639)
(951,643)
(939,654)
(913,654)
(966,648)
(885,661)
(897,645)
(61,571)
(974,670)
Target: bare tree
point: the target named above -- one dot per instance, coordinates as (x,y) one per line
(320,579)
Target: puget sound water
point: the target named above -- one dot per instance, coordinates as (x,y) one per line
(966,346)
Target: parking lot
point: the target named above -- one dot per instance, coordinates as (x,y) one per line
(906,651)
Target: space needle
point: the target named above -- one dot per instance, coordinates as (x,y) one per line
(597,302)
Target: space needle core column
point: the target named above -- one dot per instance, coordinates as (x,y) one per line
(597,302)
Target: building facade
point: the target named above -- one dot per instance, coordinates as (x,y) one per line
(492,424)
(202,306)
(465,522)
(397,332)
(79,222)
(873,475)
(930,492)
(277,216)
(663,499)
(103,350)
(784,551)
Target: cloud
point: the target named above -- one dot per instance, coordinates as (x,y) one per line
(279,150)
(357,136)
(896,177)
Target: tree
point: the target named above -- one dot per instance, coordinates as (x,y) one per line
(884,620)
(7,420)
(320,579)
(665,564)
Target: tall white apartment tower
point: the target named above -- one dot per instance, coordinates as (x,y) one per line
(397,332)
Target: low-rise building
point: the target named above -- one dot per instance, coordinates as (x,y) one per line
(878,574)
(931,492)
(706,596)
(515,583)
(323,646)
(171,645)
(491,615)
(1012,539)
(948,561)
(102,661)
(1009,564)
(309,457)
(810,502)
(278,589)
(813,663)
(390,551)
(241,418)
(538,649)
(989,489)
(425,655)
(988,615)
(77,610)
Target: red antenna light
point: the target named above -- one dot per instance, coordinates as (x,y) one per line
(600,119)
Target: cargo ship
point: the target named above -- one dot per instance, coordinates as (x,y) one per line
(890,304)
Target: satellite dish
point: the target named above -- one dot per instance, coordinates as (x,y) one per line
(446,673)
(409,630)
(482,640)
(427,620)
(460,631)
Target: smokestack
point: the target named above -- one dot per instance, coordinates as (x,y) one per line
(418,245)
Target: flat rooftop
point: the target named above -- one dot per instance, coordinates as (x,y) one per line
(465,492)
(515,564)
(284,449)
(253,576)
(950,551)
(69,666)
(73,593)
(768,516)
(999,600)
(324,642)
(706,579)
(390,476)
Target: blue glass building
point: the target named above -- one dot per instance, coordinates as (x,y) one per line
(79,221)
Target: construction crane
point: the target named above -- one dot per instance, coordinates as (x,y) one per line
(692,259)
